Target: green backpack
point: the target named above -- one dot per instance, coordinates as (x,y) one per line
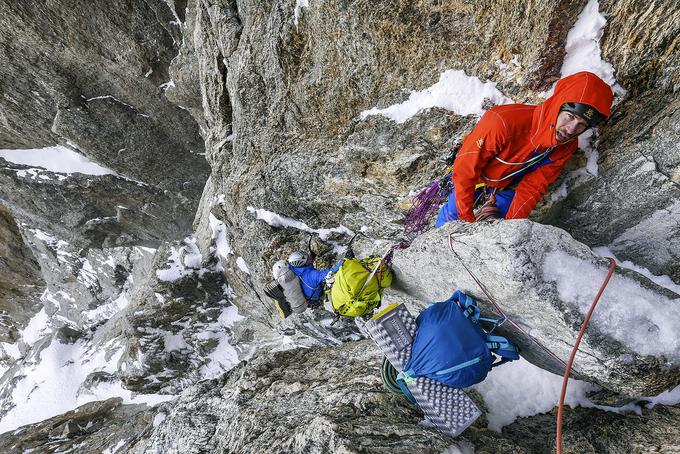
(358,286)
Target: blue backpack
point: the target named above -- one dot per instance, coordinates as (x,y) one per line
(452,348)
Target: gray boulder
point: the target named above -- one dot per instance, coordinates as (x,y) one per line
(545,281)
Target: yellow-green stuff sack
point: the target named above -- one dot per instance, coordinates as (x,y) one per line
(347,296)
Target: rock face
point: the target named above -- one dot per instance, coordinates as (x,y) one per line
(177,331)
(545,282)
(655,430)
(293,402)
(294,99)
(332,400)
(20,279)
(94,211)
(632,205)
(277,91)
(92,428)
(92,80)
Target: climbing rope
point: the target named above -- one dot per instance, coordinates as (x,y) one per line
(389,377)
(565,381)
(568,364)
(504,317)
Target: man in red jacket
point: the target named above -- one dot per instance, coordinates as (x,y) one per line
(517,150)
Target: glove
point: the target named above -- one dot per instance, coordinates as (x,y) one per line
(329,280)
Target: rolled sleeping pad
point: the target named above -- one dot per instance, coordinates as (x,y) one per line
(292,288)
(275,292)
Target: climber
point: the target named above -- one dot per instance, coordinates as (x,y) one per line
(311,279)
(517,150)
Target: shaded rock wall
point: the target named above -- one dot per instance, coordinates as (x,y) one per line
(90,75)
(92,428)
(20,279)
(94,211)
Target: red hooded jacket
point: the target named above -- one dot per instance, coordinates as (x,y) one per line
(514,133)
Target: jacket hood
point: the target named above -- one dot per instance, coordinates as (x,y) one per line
(583,87)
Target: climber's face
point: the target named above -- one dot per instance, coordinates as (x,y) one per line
(569,126)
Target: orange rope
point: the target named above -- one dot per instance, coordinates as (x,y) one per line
(565,381)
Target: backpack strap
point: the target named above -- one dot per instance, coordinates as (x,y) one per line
(467,304)
(502,347)
(404,389)
(373,273)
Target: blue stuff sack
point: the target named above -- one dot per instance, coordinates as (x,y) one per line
(451,347)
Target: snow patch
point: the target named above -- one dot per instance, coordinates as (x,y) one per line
(455,91)
(108,310)
(299,4)
(50,385)
(35,328)
(583,47)
(159,418)
(225,356)
(242,265)
(174,342)
(56,159)
(167,86)
(627,312)
(277,220)
(670,397)
(219,236)
(662,280)
(183,261)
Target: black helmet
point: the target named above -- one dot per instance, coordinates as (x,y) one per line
(588,113)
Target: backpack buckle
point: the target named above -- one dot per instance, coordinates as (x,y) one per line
(493,345)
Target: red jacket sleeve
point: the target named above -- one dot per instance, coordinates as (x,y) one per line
(484,142)
(533,185)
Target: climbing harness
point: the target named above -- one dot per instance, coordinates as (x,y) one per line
(526,165)
(565,381)
(488,211)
